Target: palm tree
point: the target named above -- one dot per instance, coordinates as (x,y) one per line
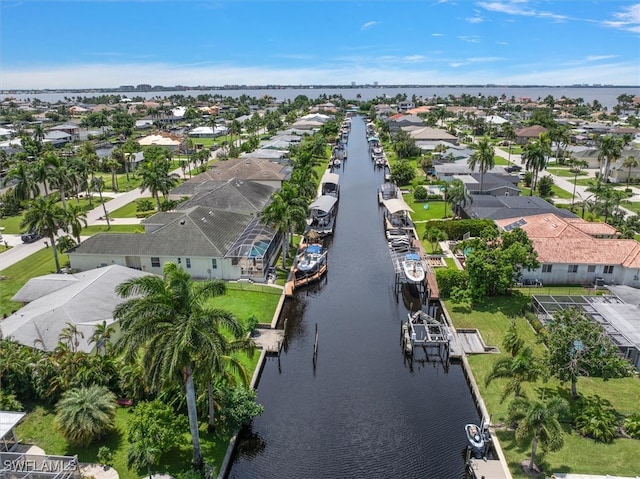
(483,158)
(534,155)
(168,323)
(44,217)
(101,336)
(97,183)
(283,212)
(509,134)
(130,148)
(538,422)
(75,216)
(26,184)
(576,167)
(457,195)
(65,243)
(630,162)
(610,149)
(523,367)
(143,453)
(85,415)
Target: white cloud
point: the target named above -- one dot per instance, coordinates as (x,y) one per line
(437,34)
(519,8)
(469,38)
(474,19)
(628,19)
(368,25)
(414,58)
(597,58)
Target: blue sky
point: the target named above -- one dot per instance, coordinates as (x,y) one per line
(101,44)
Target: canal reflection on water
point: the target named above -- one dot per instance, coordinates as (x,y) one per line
(363,410)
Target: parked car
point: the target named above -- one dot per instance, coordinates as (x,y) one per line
(513,168)
(30,237)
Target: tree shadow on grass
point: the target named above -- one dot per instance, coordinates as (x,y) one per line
(511,305)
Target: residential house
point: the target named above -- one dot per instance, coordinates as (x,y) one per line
(55,301)
(492,184)
(446,171)
(57,138)
(207,242)
(405,105)
(71,129)
(620,173)
(524,135)
(427,135)
(250,169)
(162,138)
(501,207)
(208,131)
(400,120)
(575,251)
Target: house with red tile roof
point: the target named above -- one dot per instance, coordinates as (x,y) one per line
(575,251)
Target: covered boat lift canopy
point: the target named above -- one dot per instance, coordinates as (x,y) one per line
(329,177)
(396,205)
(324,203)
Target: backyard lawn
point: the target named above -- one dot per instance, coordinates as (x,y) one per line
(579,454)
(37,264)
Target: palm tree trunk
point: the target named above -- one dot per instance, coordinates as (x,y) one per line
(55,252)
(157,197)
(106,215)
(192,412)
(574,388)
(534,447)
(211,427)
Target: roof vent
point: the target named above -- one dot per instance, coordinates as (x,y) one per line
(182,221)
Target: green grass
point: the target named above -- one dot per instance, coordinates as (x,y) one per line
(127,211)
(565,172)
(560,193)
(579,454)
(435,209)
(246,300)
(38,264)
(633,206)
(93,229)
(11,225)
(499,161)
(38,427)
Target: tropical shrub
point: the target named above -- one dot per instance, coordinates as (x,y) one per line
(632,425)
(457,228)
(597,419)
(451,278)
(85,415)
(420,194)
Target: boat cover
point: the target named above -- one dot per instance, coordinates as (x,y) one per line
(329,177)
(412,257)
(396,205)
(314,249)
(323,203)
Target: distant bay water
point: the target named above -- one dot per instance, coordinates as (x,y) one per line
(607,96)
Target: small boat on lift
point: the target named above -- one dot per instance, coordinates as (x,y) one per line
(413,267)
(474,435)
(311,261)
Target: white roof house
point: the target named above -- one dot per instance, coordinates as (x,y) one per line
(84,299)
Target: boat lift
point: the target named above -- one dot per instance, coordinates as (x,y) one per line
(422,330)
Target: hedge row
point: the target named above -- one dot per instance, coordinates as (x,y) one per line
(455,229)
(450,278)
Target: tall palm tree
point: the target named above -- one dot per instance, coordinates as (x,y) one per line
(26,184)
(538,422)
(483,158)
(75,217)
(609,151)
(630,162)
(534,155)
(85,415)
(509,134)
(576,167)
(44,217)
(169,324)
(101,336)
(97,184)
(458,196)
(285,211)
(130,148)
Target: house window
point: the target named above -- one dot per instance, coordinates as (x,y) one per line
(591,268)
(214,263)
(188,262)
(608,269)
(546,268)
(573,268)
(155,262)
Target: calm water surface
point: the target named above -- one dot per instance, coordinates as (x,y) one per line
(362,411)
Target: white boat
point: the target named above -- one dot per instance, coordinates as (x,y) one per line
(311,261)
(475,436)
(413,267)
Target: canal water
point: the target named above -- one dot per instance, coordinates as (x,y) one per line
(361,409)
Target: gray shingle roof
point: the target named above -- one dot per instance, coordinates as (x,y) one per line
(501,207)
(234,195)
(198,231)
